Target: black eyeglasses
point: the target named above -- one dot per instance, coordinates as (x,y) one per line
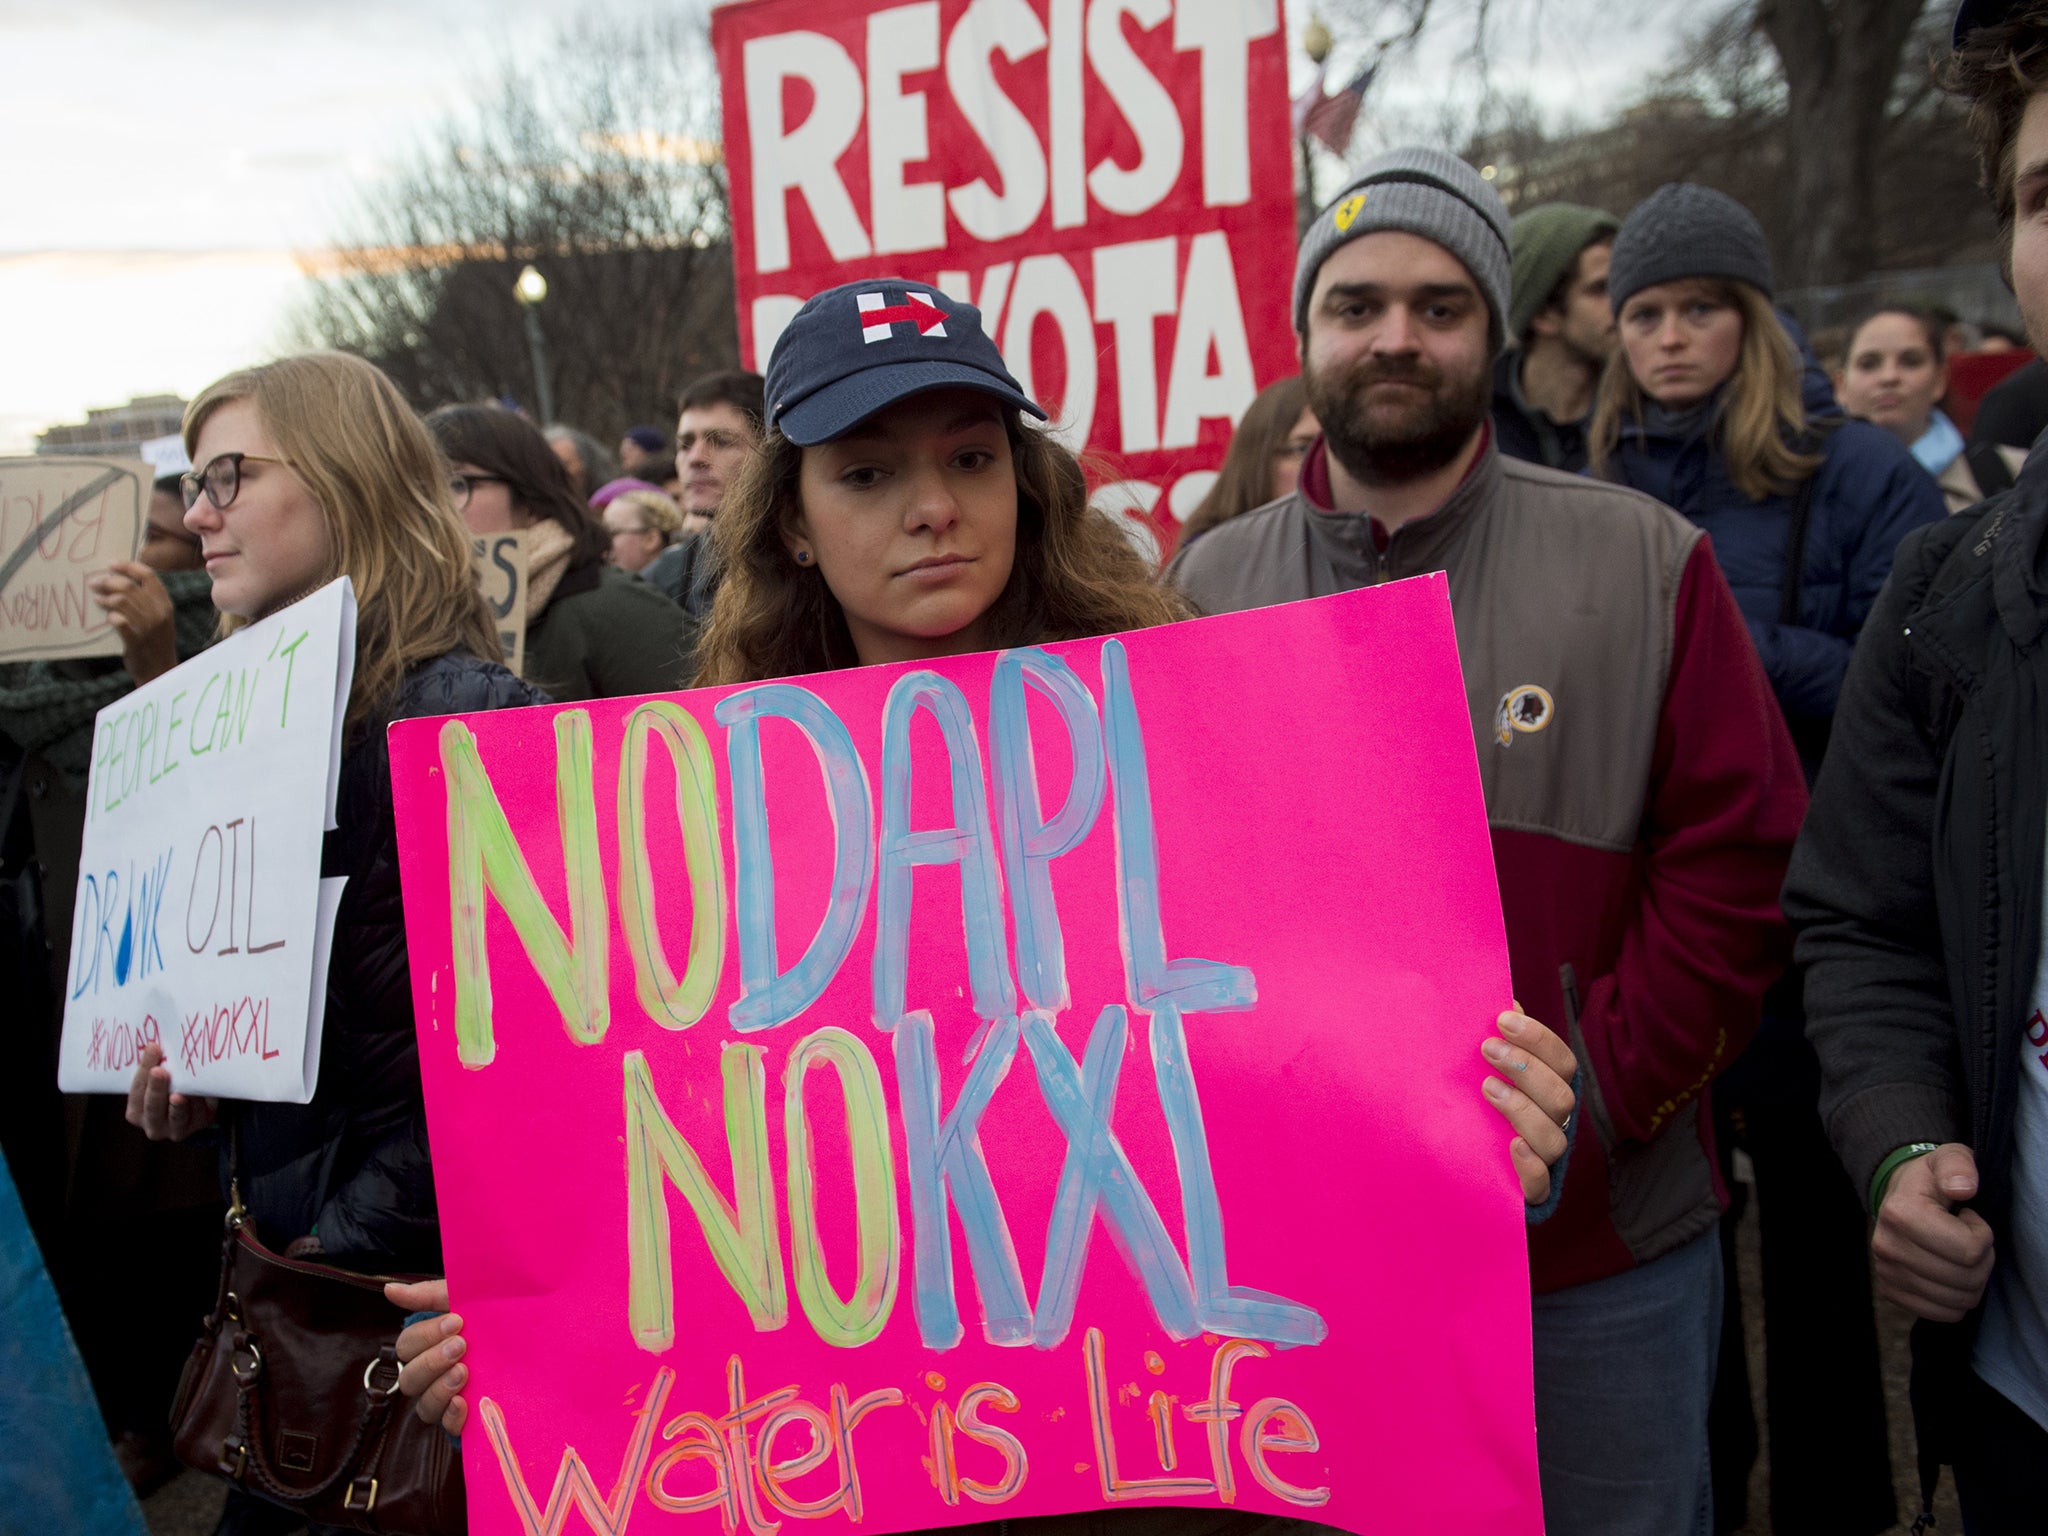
(220,478)
(459,486)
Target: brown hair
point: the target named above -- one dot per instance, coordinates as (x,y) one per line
(393,529)
(504,443)
(1931,329)
(1760,419)
(1998,69)
(1246,479)
(745,392)
(1075,574)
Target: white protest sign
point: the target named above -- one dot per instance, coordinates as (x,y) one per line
(500,562)
(165,455)
(202,923)
(62,520)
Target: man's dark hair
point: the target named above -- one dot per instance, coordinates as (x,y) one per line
(1998,69)
(1556,298)
(656,469)
(744,392)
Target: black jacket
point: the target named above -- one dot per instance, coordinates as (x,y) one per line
(1916,884)
(2014,411)
(353,1164)
(687,574)
(1525,432)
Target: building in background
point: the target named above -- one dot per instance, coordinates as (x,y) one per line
(118,430)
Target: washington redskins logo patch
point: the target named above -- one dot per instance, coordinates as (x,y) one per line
(1527,708)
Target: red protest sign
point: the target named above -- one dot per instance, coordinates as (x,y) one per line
(1109,181)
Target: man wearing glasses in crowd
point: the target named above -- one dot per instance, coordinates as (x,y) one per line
(717,431)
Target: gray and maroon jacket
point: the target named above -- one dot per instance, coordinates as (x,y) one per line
(1641,788)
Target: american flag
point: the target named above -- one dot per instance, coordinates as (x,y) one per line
(1332,118)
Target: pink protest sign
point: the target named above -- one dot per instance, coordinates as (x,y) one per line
(1042,1081)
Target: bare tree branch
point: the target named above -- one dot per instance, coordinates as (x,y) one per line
(604,172)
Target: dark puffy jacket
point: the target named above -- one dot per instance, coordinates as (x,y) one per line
(687,573)
(352,1165)
(1867,495)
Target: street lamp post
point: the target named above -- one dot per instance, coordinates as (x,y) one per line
(1315,42)
(530,290)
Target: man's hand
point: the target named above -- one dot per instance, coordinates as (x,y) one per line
(1926,1255)
(143,616)
(162,1114)
(1536,1098)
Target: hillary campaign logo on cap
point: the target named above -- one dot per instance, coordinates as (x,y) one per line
(916,309)
(822,382)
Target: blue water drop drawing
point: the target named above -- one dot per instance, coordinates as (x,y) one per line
(125,955)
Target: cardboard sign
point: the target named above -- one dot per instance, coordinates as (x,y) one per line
(832,1121)
(202,922)
(1111,183)
(63,520)
(500,560)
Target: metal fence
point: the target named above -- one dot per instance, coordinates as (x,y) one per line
(1976,292)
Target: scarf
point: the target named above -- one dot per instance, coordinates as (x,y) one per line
(1683,424)
(548,547)
(49,706)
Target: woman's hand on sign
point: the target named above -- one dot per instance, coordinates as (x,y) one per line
(430,1352)
(162,1114)
(1533,1094)
(140,610)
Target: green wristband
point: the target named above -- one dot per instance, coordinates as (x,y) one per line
(1891,1165)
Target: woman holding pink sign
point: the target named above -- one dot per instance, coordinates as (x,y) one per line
(900,510)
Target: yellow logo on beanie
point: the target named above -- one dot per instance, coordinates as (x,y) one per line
(1347,210)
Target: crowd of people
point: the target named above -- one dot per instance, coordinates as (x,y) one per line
(1755,673)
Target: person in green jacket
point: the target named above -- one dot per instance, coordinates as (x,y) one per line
(592,631)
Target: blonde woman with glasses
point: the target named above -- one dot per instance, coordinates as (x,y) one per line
(306,469)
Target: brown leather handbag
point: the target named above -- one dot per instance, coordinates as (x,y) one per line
(292,1393)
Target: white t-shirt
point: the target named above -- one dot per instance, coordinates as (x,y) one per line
(2012,1349)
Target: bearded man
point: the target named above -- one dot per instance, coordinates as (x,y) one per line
(1641,787)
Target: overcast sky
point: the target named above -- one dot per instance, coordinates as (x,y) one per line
(166,158)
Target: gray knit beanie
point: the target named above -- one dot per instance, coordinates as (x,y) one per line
(1423,192)
(1681,231)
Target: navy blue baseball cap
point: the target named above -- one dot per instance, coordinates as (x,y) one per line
(857,348)
(1972,14)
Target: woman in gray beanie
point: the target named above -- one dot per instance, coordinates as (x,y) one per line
(1708,404)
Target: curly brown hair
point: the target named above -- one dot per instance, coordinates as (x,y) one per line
(1075,575)
(1998,70)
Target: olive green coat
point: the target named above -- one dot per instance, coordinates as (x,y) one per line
(603,635)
